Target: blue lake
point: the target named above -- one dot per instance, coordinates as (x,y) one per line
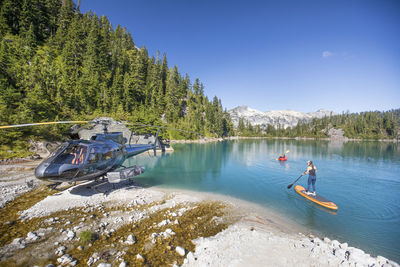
(362,178)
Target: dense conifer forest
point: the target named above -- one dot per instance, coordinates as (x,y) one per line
(60,64)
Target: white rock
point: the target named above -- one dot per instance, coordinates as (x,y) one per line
(118,220)
(104,265)
(335,244)
(153,237)
(180,250)
(17,241)
(315,251)
(317,241)
(60,251)
(344,245)
(139,257)
(169,231)
(327,240)
(90,261)
(65,259)
(394,264)
(70,235)
(163,223)
(190,257)
(340,253)
(32,236)
(122,264)
(381,260)
(130,240)
(356,251)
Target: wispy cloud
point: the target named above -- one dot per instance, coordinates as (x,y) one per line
(327,54)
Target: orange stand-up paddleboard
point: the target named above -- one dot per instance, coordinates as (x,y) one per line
(316,199)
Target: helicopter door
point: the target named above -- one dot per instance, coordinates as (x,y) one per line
(107,158)
(94,160)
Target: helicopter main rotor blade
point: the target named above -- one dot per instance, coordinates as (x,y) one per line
(40,123)
(163,127)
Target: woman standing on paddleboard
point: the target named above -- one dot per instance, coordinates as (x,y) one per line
(312,177)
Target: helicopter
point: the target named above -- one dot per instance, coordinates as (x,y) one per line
(79,160)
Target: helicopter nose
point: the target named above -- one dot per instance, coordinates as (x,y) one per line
(40,170)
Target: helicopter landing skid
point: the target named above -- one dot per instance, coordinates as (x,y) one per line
(95,187)
(100,181)
(54,186)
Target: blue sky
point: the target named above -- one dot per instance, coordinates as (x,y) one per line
(274,55)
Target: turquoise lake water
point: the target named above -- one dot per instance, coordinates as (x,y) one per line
(362,178)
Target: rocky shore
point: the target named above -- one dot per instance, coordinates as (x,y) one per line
(333,138)
(134,226)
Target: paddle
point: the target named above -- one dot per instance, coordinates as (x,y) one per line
(287,151)
(289,186)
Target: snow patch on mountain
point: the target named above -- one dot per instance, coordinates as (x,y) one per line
(282,118)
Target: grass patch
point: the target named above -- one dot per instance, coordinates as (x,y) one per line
(86,237)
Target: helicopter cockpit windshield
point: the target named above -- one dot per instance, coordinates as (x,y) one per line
(72,154)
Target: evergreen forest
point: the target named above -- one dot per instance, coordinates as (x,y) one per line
(59,64)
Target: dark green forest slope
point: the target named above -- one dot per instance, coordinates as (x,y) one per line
(60,64)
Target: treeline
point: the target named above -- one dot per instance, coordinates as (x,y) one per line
(364,125)
(60,64)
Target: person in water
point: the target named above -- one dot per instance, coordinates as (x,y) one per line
(282,156)
(312,177)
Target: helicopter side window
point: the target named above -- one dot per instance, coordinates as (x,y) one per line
(94,156)
(108,155)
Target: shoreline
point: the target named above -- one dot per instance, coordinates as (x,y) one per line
(255,236)
(210,140)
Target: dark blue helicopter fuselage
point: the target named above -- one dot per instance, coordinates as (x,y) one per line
(86,159)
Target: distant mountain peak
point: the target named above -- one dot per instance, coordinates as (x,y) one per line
(284,118)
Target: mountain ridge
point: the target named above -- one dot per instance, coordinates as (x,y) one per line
(276,118)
